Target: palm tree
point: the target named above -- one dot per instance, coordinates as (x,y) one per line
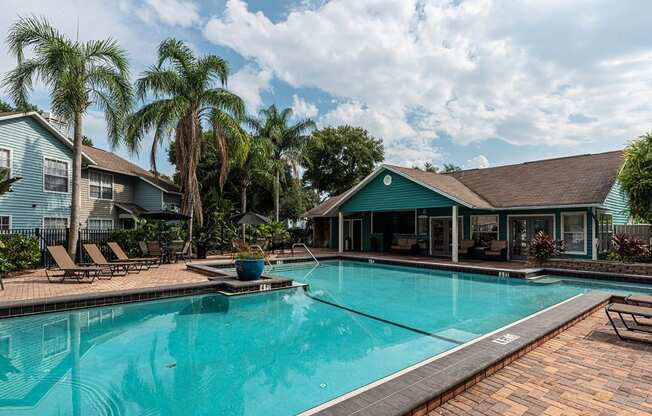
(185,100)
(79,75)
(288,142)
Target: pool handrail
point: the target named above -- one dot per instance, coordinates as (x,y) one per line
(307,249)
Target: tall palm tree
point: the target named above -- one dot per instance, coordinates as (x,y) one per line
(79,75)
(288,142)
(186,100)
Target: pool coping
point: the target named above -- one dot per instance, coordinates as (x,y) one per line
(418,389)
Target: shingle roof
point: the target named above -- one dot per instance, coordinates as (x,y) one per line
(573,180)
(110,161)
(321,209)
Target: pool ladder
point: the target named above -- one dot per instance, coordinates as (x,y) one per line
(307,249)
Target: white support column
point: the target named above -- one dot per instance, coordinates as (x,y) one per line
(340,232)
(455,235)
(594,239)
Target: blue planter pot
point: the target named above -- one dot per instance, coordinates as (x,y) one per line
(249,269)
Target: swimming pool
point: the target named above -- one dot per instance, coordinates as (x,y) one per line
(277,353)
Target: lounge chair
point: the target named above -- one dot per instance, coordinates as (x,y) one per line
(69,268)
(115,268)
(122,256)
(636,313)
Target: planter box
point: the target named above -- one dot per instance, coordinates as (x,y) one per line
(603,266)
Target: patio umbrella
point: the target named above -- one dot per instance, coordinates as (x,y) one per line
(249,218)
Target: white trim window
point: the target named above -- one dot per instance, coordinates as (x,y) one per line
(5,159)
(484,227)
(55,222)
(5,222)
(55,175)
(573,232)
(100,224)
(101,185)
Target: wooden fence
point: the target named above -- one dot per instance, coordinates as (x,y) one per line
(642,231)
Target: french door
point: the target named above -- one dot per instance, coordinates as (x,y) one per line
(523,229)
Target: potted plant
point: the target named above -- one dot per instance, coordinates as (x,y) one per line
(249,265)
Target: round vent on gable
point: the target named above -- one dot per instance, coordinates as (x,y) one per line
(387,180)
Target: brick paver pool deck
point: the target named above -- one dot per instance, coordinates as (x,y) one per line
(586,370)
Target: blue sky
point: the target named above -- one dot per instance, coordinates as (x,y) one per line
(476,83)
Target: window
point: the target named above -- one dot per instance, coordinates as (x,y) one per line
(100,224)
(573,232)
(55,222)
(605,232)
(5,160)
(5,222)
(484,227)
(101,185)
(55,175)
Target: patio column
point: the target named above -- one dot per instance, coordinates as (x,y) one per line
(455,242)
(340,232)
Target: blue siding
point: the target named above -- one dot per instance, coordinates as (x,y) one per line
(148,196)
(402,193)
(30,143)
(618,204)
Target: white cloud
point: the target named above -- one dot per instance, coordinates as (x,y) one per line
(478,162)
(182,13)
(303,109)
(249,83)
(471,70)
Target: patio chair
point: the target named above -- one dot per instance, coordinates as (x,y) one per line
(122,256)
(114,268)
(636,313)
(143,249)
(497,248)
(70,270)
(465,247)
(154,249)
(2,285)
(182,253)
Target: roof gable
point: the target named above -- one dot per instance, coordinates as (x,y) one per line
(390,190)
(44,123)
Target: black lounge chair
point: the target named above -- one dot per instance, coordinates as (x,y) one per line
(636,313)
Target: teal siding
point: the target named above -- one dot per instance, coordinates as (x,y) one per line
(148,196)
(618,204)
(402,193)
(30,143)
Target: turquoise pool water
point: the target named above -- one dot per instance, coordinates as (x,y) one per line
(277,353)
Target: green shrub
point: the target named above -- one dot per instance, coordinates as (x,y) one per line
(18,252)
